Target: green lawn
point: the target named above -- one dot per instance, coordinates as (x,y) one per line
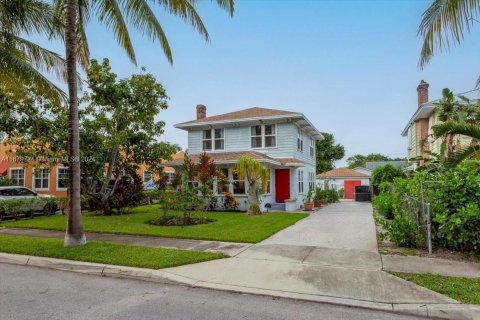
(228,226)
(104,252)
(465,290)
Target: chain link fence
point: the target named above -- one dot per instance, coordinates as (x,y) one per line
(420,211)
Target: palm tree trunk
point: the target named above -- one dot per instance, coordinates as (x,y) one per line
(252,196)
(74,235)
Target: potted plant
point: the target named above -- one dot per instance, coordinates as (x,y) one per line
(318,198)
(308,200)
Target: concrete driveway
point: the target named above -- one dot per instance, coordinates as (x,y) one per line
(344,225)
(332,254)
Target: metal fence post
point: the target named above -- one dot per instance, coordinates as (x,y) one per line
(429,228)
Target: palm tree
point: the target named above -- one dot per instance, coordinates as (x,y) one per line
(22,62)
(470,130)
(254,172)
(446,21)
(115,15)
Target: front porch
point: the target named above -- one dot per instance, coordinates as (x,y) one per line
(289,180)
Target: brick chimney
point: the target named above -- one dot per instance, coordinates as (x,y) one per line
(422,91)
(201,111)
(423,124)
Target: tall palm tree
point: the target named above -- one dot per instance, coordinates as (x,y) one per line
(116,15)
(22,62)
(444,22)
(470,130)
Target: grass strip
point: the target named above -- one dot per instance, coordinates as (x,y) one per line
(464,290)
(104,252)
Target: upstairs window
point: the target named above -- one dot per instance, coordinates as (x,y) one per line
(263,136)
(41,178)
(300,140)
(213,139)
(270,136)
(312,148)
(18,176)
(256,136)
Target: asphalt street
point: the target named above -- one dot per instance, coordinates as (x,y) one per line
(34,293)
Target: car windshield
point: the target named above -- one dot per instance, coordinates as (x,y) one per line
(24,192)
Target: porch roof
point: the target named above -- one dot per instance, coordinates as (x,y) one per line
(233,157)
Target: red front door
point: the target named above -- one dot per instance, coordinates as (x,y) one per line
(282,185)
(349,188)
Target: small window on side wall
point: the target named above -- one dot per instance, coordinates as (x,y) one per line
(62,178)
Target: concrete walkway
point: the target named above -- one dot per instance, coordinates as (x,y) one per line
(332,253)
(230,248)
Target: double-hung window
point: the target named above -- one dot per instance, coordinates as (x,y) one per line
(147,176)
(300,181)
(18,176)
(300,140)
(213,139)
(238,184)
(41,179)
(62,178)
(312,147)
(256,132)
(311,180)
(263,136)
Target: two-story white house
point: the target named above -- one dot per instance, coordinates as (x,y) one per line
(284,141)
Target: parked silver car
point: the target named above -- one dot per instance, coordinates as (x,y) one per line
(33,202)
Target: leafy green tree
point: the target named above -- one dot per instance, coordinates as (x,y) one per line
(386,173)
(116,15)
(328,152)
(444,22)
(120,115)
(23,62)
(255,173)
(472,151)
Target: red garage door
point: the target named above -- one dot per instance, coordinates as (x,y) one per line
(349,188)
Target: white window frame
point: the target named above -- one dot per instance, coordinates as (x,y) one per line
(311,180)
(263,136)
(57,179)
(147,172)
(15,169)
(34,179)
(312,147)
(300,140)
(213,139)
(238,180)
(301,185)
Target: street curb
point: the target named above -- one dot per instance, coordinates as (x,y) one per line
(438,311)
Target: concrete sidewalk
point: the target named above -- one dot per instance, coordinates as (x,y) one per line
(230,248)
(449,268)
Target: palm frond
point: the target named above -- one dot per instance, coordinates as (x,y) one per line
(443,22)
(462,154)
(18,75)
(110,13)
(452,127)
(140,15)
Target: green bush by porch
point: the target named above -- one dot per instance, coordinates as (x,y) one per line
(228,226)
(104,252)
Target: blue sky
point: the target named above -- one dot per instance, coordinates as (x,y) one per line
(349,66)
